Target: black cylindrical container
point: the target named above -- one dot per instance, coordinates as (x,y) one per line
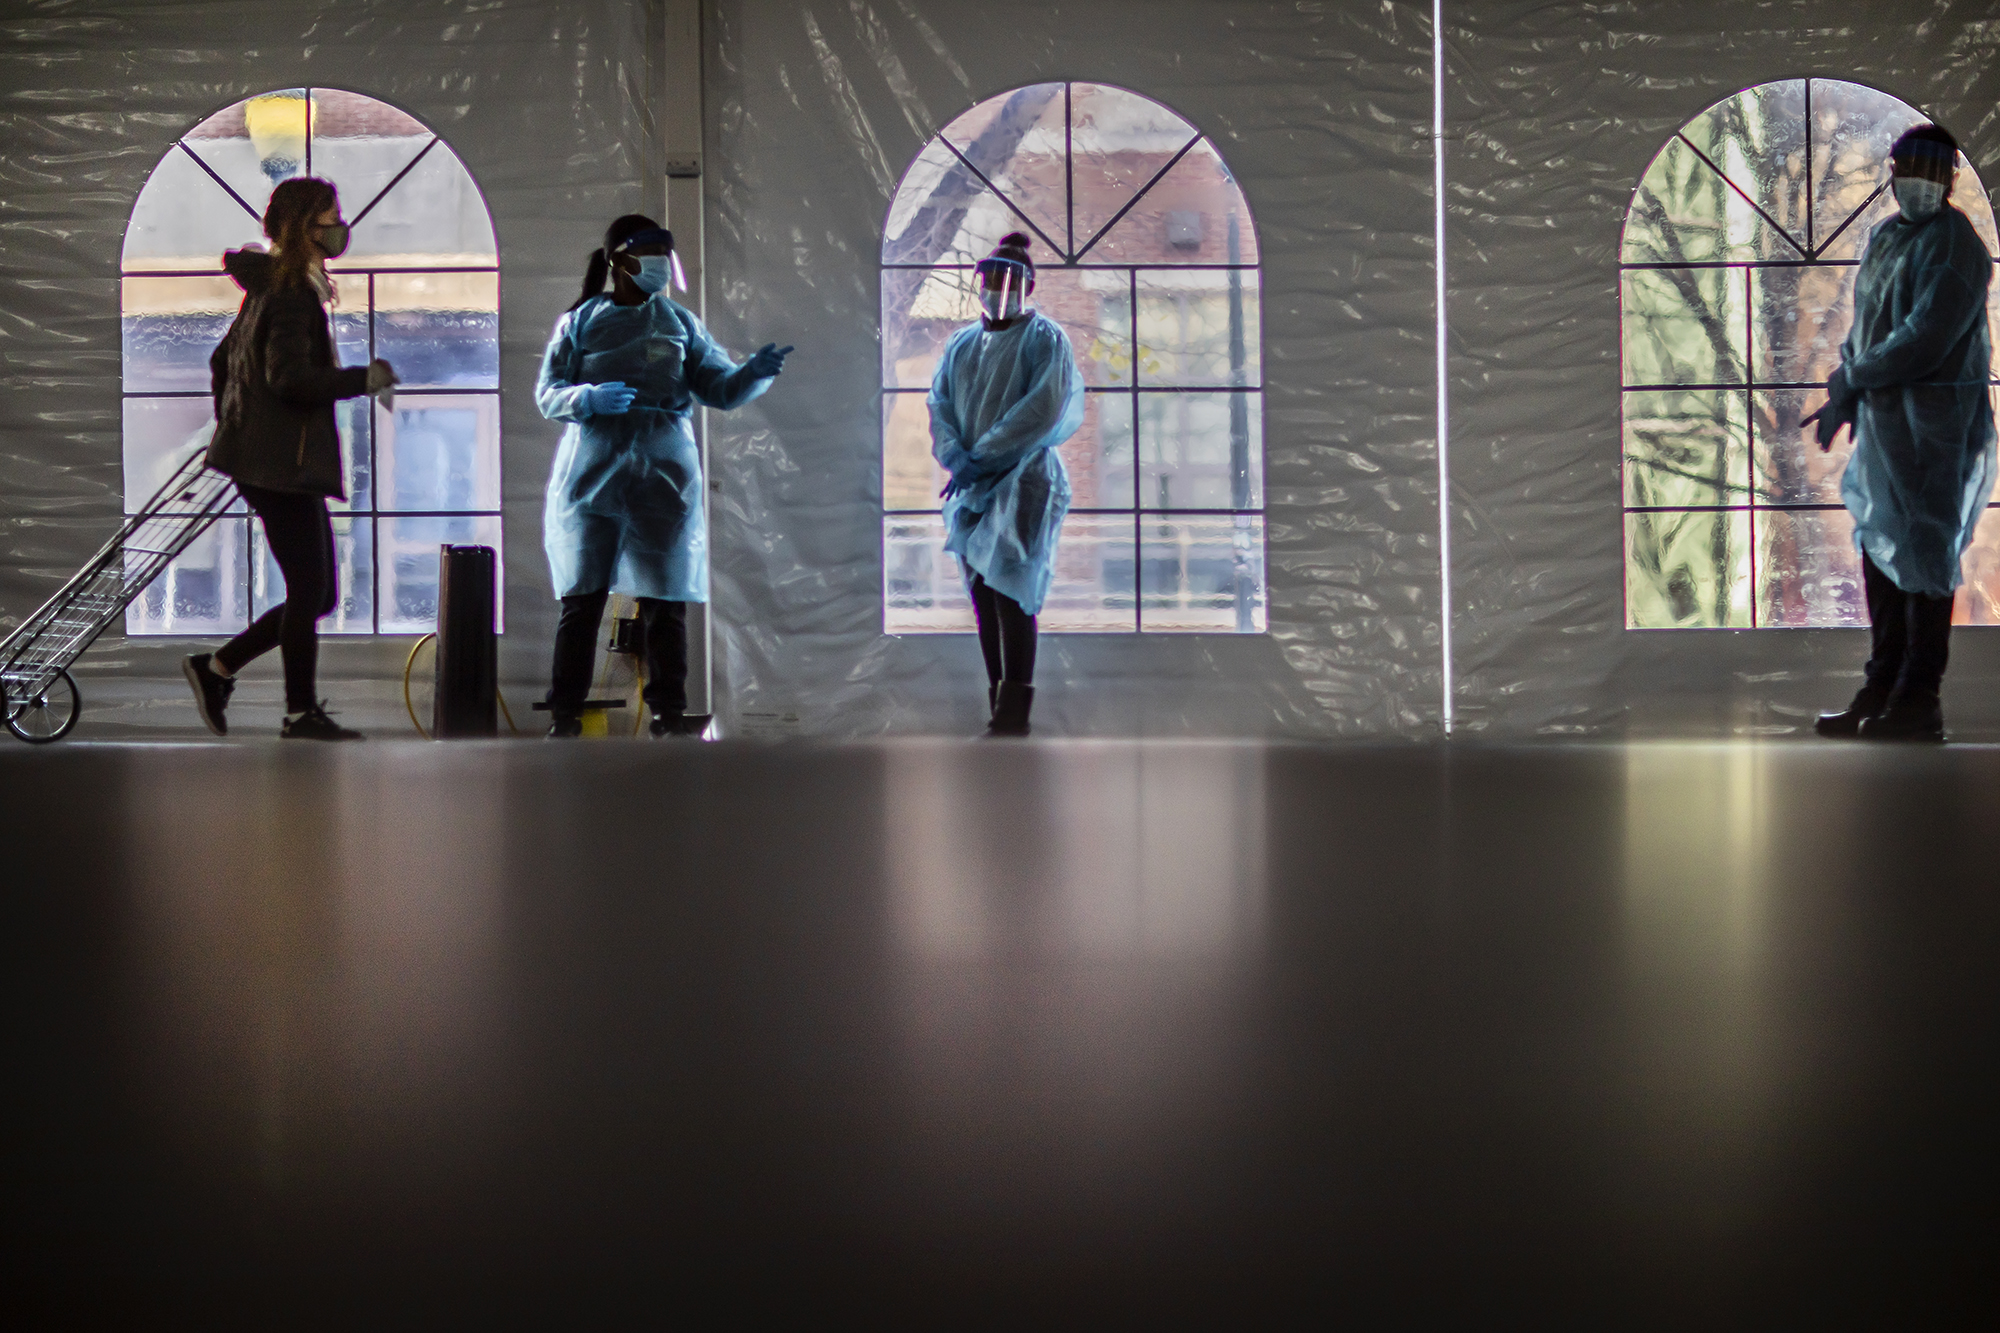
(466,702)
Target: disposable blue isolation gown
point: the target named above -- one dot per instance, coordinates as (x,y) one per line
(1001,404)
(1919,359)
(624,512)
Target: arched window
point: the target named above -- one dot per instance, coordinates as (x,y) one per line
(1737,289)
(1146,254)
(419,285)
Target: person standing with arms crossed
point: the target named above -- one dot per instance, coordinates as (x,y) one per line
(1005,397)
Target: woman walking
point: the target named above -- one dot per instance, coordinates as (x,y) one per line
(275,380)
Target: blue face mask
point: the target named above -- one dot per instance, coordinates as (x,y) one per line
(1918,198)
(655,271)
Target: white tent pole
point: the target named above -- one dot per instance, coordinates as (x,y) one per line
(1443,357)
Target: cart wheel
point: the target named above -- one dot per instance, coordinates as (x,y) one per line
(48,716)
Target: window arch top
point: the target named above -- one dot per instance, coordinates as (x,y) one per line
(1096,174)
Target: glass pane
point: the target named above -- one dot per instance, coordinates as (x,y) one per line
(354,563)
(360,144)
(1801,317)
(1195,215)
(434,216)
(1790,467)
(911,478)
(922,592)
(921,311)
(1017,142)
(1687,570)
(350,321)
(1201,450)
(1686,447)
(943,214)
(1099,456)
(1808,572)
(406,554)
(1093,590)
(1118,142)
(205,592)
(1853,128)
(1203,574)
(440,330)
(439,451)
(351,417)
(255,144)
(184,220)
(170,328)
(1199,327)
(160,435)
(1979,600)
(1684,212)
(1758,140)
(1683,326)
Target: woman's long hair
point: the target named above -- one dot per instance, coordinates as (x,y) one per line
(599,270)
(291,220)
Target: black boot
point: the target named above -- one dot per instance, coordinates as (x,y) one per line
(564,726)
(1867,703)
(684,725)
(1011,702)
(1907,720)
(992,698)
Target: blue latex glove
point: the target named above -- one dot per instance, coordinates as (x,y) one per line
(609,400)
(768,361)
(951,488)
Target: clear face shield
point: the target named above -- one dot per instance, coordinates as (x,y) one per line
(656,270)
(1003,288)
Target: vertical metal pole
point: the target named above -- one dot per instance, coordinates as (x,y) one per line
(1443,358)
(1239,432)
(680,117)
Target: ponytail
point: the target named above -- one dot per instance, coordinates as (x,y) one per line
(594,277)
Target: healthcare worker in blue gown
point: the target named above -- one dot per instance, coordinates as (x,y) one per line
(1912,384)
(624,512)
(1005,397)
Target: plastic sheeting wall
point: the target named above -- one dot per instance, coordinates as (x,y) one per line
(550,105)
(1554,113)
(814,108)
(1322,112)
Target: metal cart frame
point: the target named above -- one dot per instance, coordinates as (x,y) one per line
(42,702)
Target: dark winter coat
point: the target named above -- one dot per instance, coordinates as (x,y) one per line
(275,381)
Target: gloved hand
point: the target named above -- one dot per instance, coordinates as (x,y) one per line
(1837,411)
(381,375)
(951,488)
(768,361)
(609,400)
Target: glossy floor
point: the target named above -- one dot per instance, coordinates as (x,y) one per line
(1687,1035)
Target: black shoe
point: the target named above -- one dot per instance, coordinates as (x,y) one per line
(684,725)
(1847,722)
(564,726)
(1915,720)
(315,725)
(1011,702)
(211,692)
(992,698)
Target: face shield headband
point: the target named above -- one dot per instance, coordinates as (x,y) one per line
(1003,288)
(652,275)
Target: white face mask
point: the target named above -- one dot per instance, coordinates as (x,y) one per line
(1918,198)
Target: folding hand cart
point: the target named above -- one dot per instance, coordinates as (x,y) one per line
(42,702)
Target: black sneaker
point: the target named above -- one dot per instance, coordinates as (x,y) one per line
(688,725)
(564,726)
(211,692)
(315,725)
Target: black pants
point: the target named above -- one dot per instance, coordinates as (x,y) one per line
(1910,639)
(300,535)
(1006,635)
(663,652)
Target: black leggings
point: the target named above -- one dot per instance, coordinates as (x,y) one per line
(1006,635)
(1910,639)
(663,634)
(300,535)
